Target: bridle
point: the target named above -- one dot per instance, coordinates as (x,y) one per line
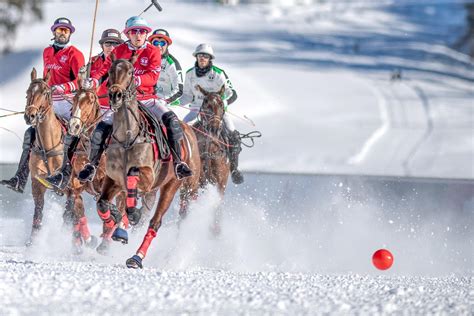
(44,107)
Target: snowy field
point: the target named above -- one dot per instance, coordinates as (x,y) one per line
(315,80)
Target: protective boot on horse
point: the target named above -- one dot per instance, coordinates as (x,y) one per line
(18,182)
(234,151)
(175,134)
(61,179)
(98,145)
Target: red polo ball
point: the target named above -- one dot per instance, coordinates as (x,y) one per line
(382,259)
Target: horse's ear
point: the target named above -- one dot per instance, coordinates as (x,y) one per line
(48,76)
(134,58)
(204,92)
(33,74)
(112,57)
(222,91)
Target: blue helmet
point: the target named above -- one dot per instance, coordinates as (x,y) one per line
(136,22)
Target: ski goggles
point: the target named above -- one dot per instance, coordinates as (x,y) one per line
(157,42)
(109,44)
(62,30)
(138,31)
(203,55)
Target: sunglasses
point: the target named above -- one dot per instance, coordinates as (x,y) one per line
(205,56)
(138,31)
(109,44)
(62,30)
(160,43)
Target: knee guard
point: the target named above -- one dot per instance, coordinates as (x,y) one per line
(171,121)
(29,138)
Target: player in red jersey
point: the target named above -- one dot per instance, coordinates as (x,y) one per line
(147,70)
(63,62)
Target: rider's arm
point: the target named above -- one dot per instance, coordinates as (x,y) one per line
(77,61)
(150,78)
(188,95)
(176,77)
(230,95)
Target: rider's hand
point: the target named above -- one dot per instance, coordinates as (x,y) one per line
(137,81)
(59,89)
(89,83)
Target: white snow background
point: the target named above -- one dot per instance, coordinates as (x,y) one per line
(315,79)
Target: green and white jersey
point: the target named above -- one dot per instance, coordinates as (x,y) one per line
(170,83)
(212,81)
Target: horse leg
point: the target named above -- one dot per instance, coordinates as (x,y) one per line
(132,192)
(68,215)
(187,193)
(38,190)
(167,194)
(81,232)
(120,234)
(108,212)
(148,201)
(221,185)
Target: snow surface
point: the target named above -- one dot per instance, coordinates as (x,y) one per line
(315,79)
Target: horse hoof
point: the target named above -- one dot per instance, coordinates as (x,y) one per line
(77,250)
(93,242)
(121,235)
(134,214)
(103,248)
(134,262)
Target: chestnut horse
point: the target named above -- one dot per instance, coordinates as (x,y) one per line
(213,148)
(47,151)
(131,165)
(85,114)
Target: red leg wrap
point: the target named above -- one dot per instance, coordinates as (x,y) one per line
(132,191)
(125,220)
(104,216)
(150,234)
(84,228)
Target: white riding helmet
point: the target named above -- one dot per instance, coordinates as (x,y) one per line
(204,49)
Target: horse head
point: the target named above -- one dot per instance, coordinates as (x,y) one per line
(85,110)
(121,84)
(212,109)
(38,99)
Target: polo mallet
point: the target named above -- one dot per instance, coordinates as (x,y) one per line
(153,3)
(92,40)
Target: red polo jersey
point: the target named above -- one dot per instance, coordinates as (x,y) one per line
(147,67)
(64,66)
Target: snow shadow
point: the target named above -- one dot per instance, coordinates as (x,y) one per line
(16,63)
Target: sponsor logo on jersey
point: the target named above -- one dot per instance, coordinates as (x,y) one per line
(63,59)
(144,61)
(211,77)
(53,66)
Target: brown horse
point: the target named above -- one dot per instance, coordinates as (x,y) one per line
(46,156)
(85,115)
(213,148)
(131,165)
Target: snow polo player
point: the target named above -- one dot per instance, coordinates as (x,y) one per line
(211,78)
(63,62)
(147,70)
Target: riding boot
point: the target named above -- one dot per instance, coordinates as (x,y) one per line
(175,134)
(98,145)
(18,182)
(61,179)
(234,151)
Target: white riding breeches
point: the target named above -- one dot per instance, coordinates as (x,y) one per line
(157,107)
(62,109)
(107,116)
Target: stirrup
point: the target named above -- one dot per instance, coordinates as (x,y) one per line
(181,170)
(13,183)
(58,180)
(87,174)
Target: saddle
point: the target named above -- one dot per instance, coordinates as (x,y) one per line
(157,131)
